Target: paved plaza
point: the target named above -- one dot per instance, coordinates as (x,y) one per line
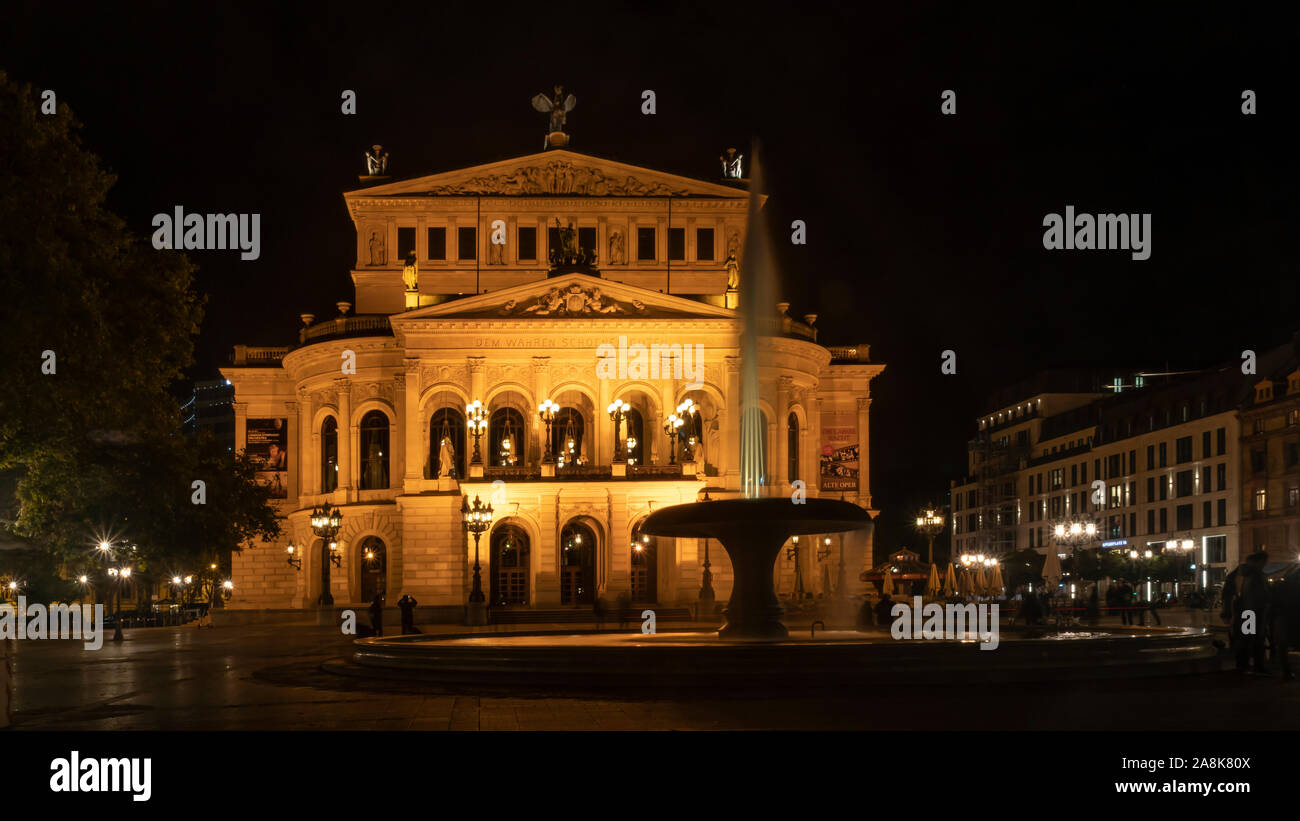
(270,678)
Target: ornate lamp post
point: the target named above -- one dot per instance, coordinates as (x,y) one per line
(546,412)
(1185,547)
(672,429)
(617,411)
(325,523)
(476,420)
(1073,533)
(686,412)
(476,519)
(929,523)
(792,552)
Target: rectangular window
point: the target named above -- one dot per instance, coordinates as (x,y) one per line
(645,244)
(1221,511)
(437,238)
(1183,449)
(1096,468)
(1291,453)
(1222,435)
(1132,461)
(1261,501)
(1151,457)
(1083,472)
(1132,497)
(1184,516)
(1205,445)
(1132,524)
(1057,478)
(1183,483)
(1164,487)
(1292,497)
(1206,513)
(466,243)
(1151,521)
(1221,475)
(676,244)
(527,242)
(1040,483)
(405,243)
(1258,461)
(1164,520)
(1216,549)
(1117,495)
(1151,488)
(1164,454)
(1113,468)
(704,244)
(587,240)
(1074,475)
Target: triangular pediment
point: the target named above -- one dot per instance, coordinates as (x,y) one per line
(569,296)
(558,172)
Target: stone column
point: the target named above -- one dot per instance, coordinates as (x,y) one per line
(344,387)
(241,425)
(542,392)
(603,451)
(864,461)
(397,433)
(413,440)
(307,477)
(730,464)
(781,477)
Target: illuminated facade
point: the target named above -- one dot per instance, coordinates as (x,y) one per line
(555,276)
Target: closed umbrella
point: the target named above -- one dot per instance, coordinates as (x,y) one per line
(887,585)
(932,584)
(950,581)
(981,583)
(996,585)
(1051,570)
(964,583)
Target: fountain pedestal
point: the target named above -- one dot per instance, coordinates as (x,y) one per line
(753,531)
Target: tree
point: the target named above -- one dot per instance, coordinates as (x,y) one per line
(98,323)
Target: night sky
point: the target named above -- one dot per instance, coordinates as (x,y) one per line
(925,231)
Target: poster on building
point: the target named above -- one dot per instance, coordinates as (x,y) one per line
(839,454)
(267,443)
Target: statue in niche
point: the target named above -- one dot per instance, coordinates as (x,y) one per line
(446,459)
(377,256)
(617,252)
(496,253)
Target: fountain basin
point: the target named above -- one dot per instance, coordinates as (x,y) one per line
(753,531)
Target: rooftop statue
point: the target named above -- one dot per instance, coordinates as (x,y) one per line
(557,107)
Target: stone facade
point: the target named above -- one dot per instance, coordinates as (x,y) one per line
(367,399)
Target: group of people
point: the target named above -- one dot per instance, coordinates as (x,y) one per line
(406,604)
(1255,612)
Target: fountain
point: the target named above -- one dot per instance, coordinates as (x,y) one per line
(753,529)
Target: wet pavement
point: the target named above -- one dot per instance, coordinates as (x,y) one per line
(270,678)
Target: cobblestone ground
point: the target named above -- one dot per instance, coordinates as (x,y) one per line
(264,678)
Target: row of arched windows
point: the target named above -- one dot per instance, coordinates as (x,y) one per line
(505,443)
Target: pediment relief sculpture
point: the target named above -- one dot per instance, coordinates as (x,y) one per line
(572,301)
(559,177)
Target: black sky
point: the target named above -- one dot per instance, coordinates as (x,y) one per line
(925,231)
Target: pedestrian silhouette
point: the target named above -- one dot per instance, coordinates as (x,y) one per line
(407,605)
(377,614)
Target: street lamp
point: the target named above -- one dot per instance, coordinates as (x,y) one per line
(476,519)
(325,523)
(546,411)
(687,411)
(929,523)
(793,553)
(476,420)
(672,428)
(294,561)
(1072,533)
(617,411)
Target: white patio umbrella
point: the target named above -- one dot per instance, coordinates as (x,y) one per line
(932,584)
(1052,570)
(950,581)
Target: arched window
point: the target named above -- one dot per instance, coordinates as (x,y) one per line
(566,436)
(577,564)
(506,438)
(374,568)
(644,581)
(634,430)
(374,451)
(447,424)
(792,447)
(329,455)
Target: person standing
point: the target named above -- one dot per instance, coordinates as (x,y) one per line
(377,614)
(1250,613)
(407,605)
